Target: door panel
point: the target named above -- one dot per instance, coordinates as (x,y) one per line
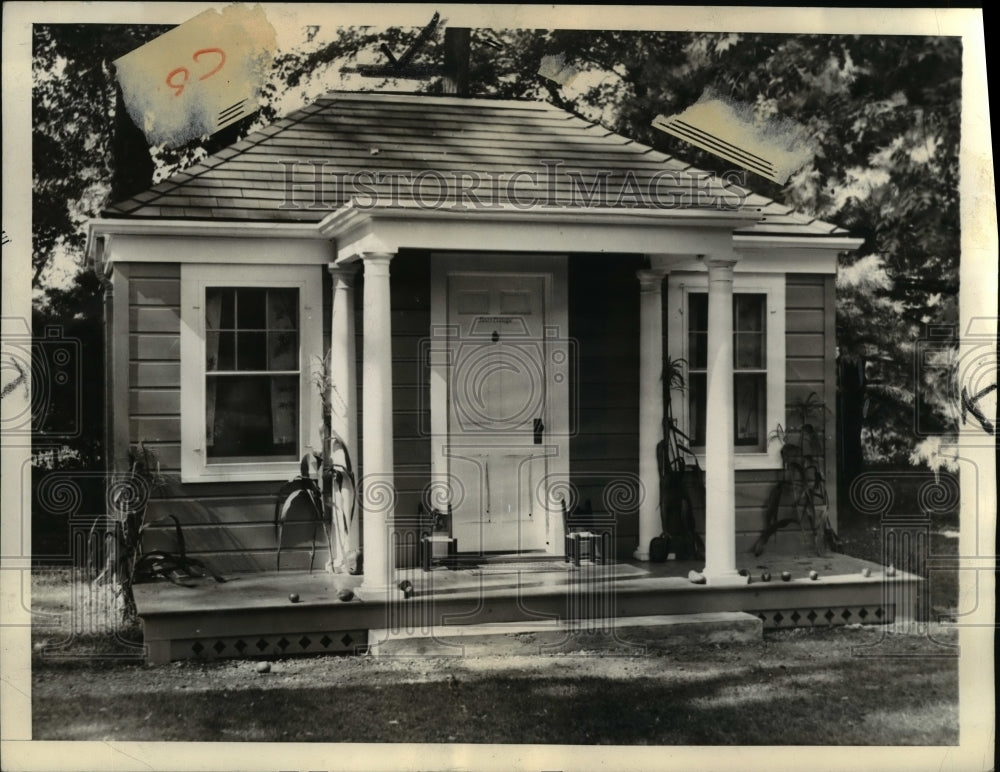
(497,408)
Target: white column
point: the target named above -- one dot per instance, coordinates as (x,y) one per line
(343,375)
(378,493)
(720,475)
(650,404)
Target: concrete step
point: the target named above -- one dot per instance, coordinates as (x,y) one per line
(624,635)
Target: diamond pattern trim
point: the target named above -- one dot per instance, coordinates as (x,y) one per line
(836,615)
(310,642)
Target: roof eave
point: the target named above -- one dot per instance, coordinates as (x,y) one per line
(840,243)
(100,228)
(351,216)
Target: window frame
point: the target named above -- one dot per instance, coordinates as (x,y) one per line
(679,286)
(195,278)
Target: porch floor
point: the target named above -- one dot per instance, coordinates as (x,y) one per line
(253,615)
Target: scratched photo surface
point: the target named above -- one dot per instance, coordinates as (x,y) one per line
(371,391)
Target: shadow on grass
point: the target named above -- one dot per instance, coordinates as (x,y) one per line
(843,702)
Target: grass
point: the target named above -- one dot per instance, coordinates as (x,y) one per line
(802,686)
(776,692)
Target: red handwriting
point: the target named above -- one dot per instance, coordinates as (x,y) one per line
(186,74)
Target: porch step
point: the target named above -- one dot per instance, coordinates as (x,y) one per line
(624,635)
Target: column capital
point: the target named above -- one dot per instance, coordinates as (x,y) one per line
(377,257)
(343,269)
(344,273)
(377,263)
(650,279)
(719,262)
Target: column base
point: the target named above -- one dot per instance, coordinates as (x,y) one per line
(373,590)
(727,579)
(641,555)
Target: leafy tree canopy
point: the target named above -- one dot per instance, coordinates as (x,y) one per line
(884,113)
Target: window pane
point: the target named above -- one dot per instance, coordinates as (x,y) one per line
(748,312)
(749,350)
(219,305)
(251,352)
(251,311)
(749,353)
(698,350)
(748,326)
(750,390)
(698,312)
(252,416)
(283,309)
(283,351)
(696,408)
(284,410)
(220,351)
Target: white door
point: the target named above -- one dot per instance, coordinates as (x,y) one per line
(498,393)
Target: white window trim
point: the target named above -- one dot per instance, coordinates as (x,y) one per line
(773,286)
(308,279)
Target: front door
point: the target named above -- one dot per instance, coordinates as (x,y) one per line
(498,380)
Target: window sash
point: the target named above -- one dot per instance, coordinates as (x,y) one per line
(749,325)
(196,377)
(247,409)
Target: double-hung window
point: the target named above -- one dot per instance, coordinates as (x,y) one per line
(249,340)
(758,362)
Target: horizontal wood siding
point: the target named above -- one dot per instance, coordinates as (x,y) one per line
(230,526)
(154,362)
(604,323)
(410,279)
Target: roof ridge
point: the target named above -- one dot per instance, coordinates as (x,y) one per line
(416,97)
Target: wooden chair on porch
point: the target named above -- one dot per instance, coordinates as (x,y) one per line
(587,534)
(436,542)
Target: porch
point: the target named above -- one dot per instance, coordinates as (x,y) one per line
(252,615)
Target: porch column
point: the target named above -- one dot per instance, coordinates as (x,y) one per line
(343,376)
(720,475)
(650,404)
(378,492)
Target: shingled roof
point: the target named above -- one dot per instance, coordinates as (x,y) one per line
(406,149)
